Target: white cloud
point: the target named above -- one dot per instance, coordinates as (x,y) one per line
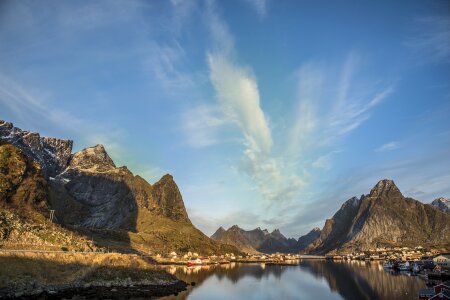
(238,95)
(239,98)
(387,147)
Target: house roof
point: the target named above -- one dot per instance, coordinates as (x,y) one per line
(446,284)
(445,293)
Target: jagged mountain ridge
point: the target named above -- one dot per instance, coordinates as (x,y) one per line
(52,154)
(89,193)
(384,217)
(442,204)
(257,240)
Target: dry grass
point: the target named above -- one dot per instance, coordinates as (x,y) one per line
(43,269)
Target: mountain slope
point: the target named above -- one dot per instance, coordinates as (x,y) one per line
(93,196)
(24,211)
(383,218)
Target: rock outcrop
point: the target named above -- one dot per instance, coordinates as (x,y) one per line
(384,217)
(21,181)
(51,154)
(442,204)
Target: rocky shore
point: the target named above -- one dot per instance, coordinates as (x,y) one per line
(97,290)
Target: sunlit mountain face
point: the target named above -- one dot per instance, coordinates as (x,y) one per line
(268,114)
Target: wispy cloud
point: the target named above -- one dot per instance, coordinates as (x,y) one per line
(33,107)
(329,108)
(309,87)
(388,147)
(238,95)
(431,41)
(260,6)
(323,162)
(202,125)
(351,107)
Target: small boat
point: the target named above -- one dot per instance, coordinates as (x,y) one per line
(194,262)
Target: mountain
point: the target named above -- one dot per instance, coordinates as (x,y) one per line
(51,154)
(442,204)
(384,217)
(24,210)
(307,239)
(94,197)
(261,241)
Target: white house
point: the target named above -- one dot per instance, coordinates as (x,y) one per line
(442,260)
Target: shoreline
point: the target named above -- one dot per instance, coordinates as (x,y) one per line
(58,275)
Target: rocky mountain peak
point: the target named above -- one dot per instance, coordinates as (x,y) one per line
(218,234)
(92,159)
(234,227)
(385,187)
(52,154)
(277,234)
(442,204)
(168,198)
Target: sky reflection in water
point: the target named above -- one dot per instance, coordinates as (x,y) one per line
(311,279)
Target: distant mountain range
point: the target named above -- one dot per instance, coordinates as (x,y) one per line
(262,241)
(384,217)
(90,195)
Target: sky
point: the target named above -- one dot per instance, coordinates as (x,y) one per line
(267,113)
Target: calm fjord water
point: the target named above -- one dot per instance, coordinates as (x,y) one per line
(310,279)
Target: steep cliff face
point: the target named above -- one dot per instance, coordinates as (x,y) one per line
(383,218)
(168,200)
(51,154)
(101,192)
(442,204)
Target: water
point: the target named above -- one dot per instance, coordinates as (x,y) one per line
(310,279)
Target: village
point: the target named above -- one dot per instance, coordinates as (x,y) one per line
(429,264)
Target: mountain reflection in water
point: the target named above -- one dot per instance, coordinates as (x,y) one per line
(310,279)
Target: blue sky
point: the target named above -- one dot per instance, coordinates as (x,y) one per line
(267,113)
